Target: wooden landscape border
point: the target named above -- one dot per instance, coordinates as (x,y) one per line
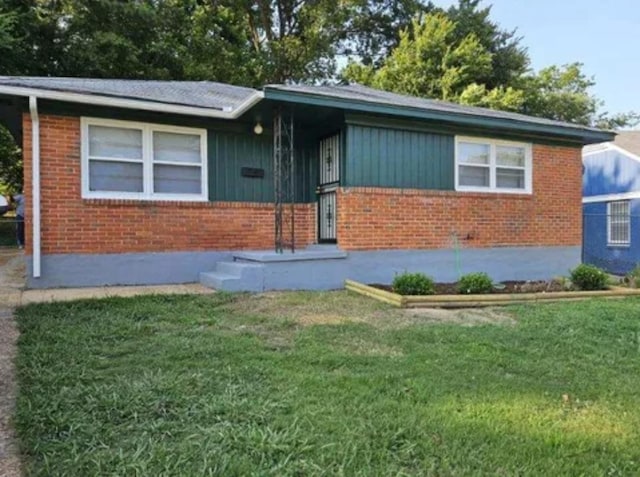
(473,301)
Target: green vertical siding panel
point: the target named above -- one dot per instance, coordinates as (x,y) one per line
(344,147)
(447,173)
(306,171)
(386,157)
(228,154)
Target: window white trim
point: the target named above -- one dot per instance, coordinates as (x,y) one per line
(625,242)
(147,161)
(493,166)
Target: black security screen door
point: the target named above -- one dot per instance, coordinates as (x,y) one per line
(329,181)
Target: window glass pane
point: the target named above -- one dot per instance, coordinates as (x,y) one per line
(619,222)
(619,233)
(509,178)
(473,176)
(176,147)
(620,209)
(115,176)
(115,142)
(471,153)
(510,156)
(176,179)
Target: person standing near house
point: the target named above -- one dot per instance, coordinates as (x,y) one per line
(18,199)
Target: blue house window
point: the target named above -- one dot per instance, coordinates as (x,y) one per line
(618,223)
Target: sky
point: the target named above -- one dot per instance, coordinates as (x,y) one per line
(602,34)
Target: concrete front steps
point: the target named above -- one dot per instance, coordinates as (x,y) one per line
(235,276)
(257,271)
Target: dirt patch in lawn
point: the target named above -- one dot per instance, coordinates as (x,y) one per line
(340,307)
(466,317)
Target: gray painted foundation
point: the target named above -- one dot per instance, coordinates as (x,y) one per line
(316,271)
(75,270)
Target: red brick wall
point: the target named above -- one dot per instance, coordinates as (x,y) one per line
(368,218)
(71,224)
(377,218)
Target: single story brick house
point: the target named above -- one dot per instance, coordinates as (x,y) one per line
(288,187)
(611,203)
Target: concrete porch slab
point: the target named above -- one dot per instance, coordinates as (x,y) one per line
(268,256)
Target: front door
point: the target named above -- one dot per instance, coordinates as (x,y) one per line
(329,181)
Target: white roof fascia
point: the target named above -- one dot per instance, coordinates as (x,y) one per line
(140,104)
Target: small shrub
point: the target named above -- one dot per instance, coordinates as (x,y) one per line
(589,277)
(473,283)
(413,284)
(560,284)
(633,277)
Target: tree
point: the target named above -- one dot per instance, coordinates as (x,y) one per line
(560,93)
(435,60)
(10,163)
(430,61)
(408,46)
(373,27)
(505,99)
(509,60)
(28,33)
(617,121)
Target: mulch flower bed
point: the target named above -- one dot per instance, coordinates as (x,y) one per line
(508,287)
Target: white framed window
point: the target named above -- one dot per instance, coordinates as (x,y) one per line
(619,223)
(489,165)
(131,160)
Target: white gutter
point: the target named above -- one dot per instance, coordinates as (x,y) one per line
(35,182)
(99,100)
(611,197)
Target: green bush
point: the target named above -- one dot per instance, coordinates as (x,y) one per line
(633,277)
(589,277)
(474,283)
(413,284)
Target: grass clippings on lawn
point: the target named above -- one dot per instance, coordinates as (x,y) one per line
(326,384)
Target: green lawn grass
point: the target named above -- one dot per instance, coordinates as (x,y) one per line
(325,384)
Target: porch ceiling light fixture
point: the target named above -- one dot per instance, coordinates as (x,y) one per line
(258,129)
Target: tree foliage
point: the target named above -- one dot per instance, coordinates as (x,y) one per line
(428,61)
(462,56)
(509,60)
(374,26)
(410,46)
(10,163)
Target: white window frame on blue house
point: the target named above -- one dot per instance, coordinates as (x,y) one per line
(147,160)
(493,166)
(616,218)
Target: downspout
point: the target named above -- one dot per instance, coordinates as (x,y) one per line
(35,182)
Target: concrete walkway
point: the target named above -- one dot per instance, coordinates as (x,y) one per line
(12,294)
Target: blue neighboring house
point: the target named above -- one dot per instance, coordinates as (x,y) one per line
(611,203)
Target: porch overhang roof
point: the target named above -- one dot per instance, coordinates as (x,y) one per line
(367,100)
